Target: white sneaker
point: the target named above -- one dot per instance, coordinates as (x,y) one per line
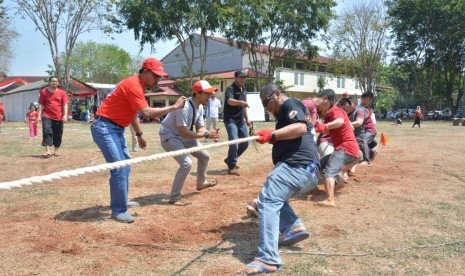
(135,149)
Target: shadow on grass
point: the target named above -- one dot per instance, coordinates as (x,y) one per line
(91,214)
(213,172)
(159,199)
(242,236)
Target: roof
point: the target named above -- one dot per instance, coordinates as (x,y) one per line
(12,82)
(28,87)
(165,91)
(101,85)
(276,52)
(78,88)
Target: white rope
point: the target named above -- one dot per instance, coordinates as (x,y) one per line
(114,165)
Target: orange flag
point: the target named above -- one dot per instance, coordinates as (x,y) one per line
(383,139)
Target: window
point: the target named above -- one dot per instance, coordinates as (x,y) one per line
(298,78)
(341,82)
(299,66)
(357,85)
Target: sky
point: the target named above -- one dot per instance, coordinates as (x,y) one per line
(32,53)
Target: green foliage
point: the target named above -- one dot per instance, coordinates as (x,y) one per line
(97,62)
(280,25)
(430,41)
(155,20)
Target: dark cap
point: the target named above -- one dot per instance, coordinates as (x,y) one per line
(240,74)
(328,93)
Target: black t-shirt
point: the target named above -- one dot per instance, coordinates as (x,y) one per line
(296,152)
(234,113)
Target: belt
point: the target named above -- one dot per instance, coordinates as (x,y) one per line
(107,120)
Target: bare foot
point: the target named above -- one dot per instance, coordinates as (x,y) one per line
(256,267)
(326,203)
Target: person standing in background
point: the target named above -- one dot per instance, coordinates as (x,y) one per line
(236,119)
(31,119)
(417,117)
(53,112)
(211,113)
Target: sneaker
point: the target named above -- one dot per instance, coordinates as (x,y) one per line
(178,203)
(135,149)
(122,217)
(232,170)
(132,204)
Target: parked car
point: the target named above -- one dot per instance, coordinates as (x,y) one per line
(435,115)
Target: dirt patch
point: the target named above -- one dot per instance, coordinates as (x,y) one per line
(402,216)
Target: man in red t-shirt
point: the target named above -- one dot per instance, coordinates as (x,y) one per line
(53,112)
(117,111)
(346,150)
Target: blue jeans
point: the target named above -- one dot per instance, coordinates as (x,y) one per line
(236,131)
(111,142)
(275,215)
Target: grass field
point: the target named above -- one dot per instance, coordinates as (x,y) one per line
(402,216)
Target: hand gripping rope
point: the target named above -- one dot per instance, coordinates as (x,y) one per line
(111,166)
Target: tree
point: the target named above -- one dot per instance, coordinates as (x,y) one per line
(7,35)
(280,26)
(155,20)
(59,20)
(360,38)
(104,63)
(430,39)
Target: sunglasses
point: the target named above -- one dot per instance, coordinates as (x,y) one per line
(267,99)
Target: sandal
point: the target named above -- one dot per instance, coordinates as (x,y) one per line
(208,183)
(47,155)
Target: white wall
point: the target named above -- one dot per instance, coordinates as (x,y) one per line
(310,81)
(17,104)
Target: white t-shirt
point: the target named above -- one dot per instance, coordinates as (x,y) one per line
(181,117)
(212,108)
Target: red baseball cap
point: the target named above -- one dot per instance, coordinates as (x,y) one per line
(345,94)
(203,86)
(155,66)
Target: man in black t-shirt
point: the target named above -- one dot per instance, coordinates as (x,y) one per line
(296,171)
(236,119)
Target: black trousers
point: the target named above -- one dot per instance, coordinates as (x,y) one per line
(52,132)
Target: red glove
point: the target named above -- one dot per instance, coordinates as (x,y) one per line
(265,136)
(321,128)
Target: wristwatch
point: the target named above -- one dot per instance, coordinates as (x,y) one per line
(139,134)
(206,134)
